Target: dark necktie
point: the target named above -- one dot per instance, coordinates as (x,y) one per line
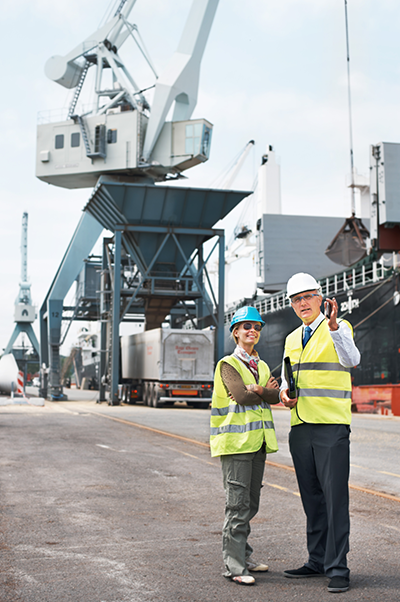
(306,335)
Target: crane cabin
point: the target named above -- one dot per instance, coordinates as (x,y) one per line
(75,152)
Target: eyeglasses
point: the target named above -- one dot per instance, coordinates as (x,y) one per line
(307,297)
(249,326)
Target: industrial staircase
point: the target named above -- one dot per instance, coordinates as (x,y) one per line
(72,106)
(99,139)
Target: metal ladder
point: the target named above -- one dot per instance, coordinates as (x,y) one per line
(78,89)
(120,7)
(85,138)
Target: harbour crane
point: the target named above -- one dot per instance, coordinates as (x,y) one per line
(121,134)
(24,311)
(122,147)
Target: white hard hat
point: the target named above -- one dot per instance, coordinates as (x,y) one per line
(301,282)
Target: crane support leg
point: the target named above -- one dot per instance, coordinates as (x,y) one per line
(82,242)
(28,330)
(116,303)
(104,309)
(54,312)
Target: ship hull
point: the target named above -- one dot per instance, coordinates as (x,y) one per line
(375,317)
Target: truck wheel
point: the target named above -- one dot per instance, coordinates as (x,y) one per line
(203,405)
(146,394)
(149,398)
(155,397)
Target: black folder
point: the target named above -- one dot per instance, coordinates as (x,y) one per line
(290,378)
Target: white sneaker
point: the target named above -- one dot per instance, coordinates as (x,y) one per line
(257,567)
(244,579)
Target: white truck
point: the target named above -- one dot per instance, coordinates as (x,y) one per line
(165,365)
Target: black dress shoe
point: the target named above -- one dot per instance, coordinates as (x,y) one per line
(302,573)
(338,585)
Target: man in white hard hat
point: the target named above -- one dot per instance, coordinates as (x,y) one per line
(321,353)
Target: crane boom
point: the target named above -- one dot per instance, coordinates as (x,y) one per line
(24,248)
(123,12)
(180,80)
(66,70)
(24,295)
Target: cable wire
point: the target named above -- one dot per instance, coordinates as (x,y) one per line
(353,202)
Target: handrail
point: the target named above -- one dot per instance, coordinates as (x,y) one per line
(345,281)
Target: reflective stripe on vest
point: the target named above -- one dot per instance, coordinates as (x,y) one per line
(235,428)
(237,409)
(323,384)
(324,393)
(242,428)
(321,366)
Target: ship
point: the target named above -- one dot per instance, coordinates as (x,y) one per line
(367,290)
(84,358)
(368,297)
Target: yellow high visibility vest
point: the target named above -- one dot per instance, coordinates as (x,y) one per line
(323,384)
(235,428)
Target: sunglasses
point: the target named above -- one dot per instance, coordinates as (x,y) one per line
(306,298)
(249,326)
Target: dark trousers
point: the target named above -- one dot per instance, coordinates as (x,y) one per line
(321,459)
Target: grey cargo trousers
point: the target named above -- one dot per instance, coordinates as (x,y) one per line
(242,478)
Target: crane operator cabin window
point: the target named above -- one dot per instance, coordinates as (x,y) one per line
(197,139)
(111,136)
(75,139)
(59,141)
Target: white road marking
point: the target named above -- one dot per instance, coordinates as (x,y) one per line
(120,451)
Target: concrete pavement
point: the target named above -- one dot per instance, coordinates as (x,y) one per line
(375,439)
(95,510)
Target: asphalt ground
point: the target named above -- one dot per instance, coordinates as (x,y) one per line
(375,439)
(99,510)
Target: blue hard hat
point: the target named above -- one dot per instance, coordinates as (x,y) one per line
(246,314)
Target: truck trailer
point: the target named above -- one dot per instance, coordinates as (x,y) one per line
(165,365)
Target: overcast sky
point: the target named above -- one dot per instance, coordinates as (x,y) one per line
(272,71)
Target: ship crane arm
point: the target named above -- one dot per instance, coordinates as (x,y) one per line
(238,165)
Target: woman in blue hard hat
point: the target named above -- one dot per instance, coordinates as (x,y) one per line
(242,433)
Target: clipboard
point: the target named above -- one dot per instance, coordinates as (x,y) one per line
(290,378)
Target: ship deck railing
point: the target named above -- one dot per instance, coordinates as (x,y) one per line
(342,282)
